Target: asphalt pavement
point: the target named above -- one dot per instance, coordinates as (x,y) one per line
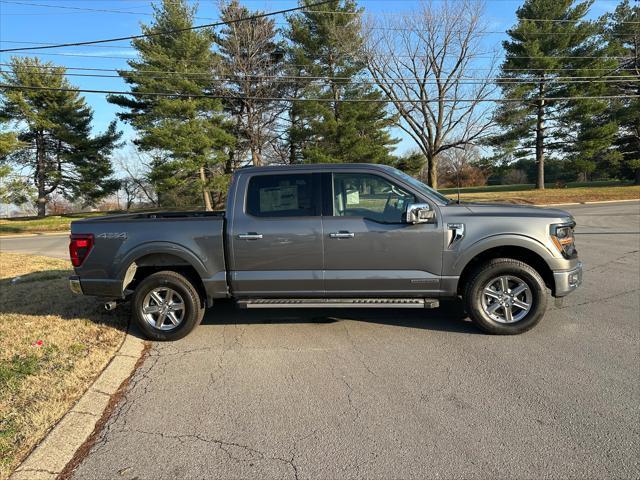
(49,245)
(397,394)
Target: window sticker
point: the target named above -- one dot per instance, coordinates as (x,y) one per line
(353,197)
(274,199)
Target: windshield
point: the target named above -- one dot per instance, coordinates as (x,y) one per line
(418,185)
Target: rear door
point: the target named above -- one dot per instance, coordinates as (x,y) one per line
(276,236)
(369,249)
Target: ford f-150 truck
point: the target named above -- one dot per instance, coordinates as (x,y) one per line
(329,236)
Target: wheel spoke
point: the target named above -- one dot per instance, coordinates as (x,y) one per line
(151,309)
(168,298)
(176,307)
(508,314)
(156,298)
(493,307)
(520,304)
(519,289)
(504,284)
(160,320)
(490,292)
(173,318)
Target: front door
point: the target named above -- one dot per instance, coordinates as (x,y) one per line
(277,238)
(369,249)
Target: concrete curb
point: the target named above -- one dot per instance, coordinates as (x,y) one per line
(584,203)
(58,448)
(31,235)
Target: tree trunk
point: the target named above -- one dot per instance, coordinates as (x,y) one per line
(540,138)
(256,159)
(432,172)
(206,194)
(41,177)
(637,180)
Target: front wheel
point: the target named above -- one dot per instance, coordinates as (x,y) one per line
(166,306)
(506,297)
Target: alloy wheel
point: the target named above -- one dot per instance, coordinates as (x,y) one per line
(506,299)
(163,308)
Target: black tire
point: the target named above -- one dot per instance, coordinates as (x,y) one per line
(478,304)
(190,311)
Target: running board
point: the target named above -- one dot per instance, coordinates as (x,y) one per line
(339,303)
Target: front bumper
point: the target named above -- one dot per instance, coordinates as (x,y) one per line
(74,284)
(567,281)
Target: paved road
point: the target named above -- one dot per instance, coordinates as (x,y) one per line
(56,246)
(388,394)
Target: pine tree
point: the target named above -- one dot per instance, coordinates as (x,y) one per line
(623,38)
(190,132)
(326,46)
(250,59)
(54,131)
(591,128)
(540,51)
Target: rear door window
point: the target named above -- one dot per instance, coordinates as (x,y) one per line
(281,196)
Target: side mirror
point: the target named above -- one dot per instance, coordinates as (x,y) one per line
(419,213)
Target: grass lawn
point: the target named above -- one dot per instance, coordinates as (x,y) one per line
(52,223)
(52,346)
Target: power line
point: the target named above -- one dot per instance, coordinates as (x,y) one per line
(66,7)
(474,69)
(293,79)
(291,99)
(169,32)
(389,54)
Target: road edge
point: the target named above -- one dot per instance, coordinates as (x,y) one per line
(37,234)
(59,447)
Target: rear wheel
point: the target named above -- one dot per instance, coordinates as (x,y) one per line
(166,306)
(506,297)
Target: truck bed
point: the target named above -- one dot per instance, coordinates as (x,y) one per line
(193,238)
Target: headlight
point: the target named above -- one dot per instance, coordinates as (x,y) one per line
(564,240)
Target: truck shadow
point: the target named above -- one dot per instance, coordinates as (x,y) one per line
(47,293)
(450,317)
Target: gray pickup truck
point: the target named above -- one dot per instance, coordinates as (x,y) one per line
(329,236)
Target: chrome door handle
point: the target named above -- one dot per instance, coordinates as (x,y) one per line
(250,236)
(342,235)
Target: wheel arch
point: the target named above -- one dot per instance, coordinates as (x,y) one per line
(516,252)
(148,260)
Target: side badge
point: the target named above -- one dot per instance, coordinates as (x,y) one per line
(113,235)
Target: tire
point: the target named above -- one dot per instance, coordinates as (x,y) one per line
(166,306)
(500,314)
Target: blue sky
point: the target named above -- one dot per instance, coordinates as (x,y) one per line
(45,21)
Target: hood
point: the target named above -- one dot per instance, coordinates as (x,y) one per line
(511,210)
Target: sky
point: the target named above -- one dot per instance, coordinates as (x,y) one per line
(62,21)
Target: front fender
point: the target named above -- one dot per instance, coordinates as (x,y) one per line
(455,261)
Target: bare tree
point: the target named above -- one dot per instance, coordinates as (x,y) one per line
(137,181)
(459,167)
(425,62)
(250,59)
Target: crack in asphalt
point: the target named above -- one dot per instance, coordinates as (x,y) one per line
(226,447)
(620,259)
(126,402)
(355,348)
(598,300)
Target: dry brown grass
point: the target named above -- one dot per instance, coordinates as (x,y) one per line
(39,383)
(556,195)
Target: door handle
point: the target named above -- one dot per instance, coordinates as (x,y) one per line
(342,234)
(250,236)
